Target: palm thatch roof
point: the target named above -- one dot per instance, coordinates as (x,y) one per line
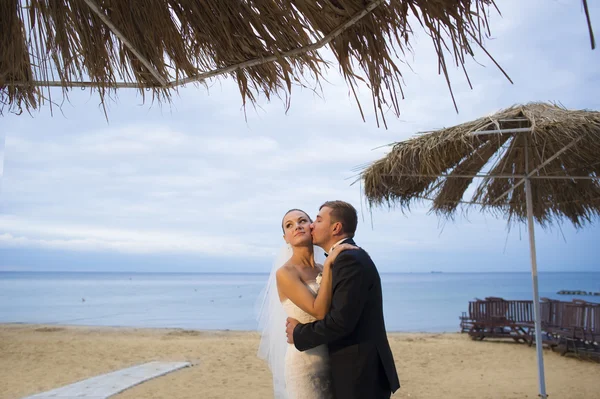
(489,158)
(267,46)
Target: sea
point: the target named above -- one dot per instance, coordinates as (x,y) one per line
(413,302)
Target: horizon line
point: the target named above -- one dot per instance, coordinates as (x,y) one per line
(257,272)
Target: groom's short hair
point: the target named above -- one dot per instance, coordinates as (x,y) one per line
(344,213)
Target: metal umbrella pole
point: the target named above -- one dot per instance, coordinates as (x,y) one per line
(534,277)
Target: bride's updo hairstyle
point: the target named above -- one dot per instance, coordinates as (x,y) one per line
(292,210)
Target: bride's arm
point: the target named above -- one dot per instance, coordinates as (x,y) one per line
(291,286)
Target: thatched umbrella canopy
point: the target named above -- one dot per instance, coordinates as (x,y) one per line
(265,45)
(563,163)
(531,161)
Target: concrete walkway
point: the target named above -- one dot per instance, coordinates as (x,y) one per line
(107,385)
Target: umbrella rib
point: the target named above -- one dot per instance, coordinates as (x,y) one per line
(126,42)
(301,50)
(87,83)
(484,204)
(514,120)
(459,202)
(529,175)
(497,176)
(503,131)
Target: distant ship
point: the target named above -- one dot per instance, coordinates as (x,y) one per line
(435,272)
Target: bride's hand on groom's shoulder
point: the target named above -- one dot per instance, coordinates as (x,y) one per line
(339,249)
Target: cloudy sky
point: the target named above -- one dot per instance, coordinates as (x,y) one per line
(196,186)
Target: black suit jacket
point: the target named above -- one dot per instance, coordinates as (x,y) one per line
(362,364)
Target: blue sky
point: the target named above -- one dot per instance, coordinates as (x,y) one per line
(195,186)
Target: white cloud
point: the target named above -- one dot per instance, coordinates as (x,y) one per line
(92,238)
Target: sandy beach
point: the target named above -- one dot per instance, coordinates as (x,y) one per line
(37,358)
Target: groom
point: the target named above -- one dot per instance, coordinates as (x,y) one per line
(362,365)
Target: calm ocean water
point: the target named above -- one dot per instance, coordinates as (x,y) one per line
(412,302)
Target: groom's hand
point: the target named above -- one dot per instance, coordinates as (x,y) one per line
(289,329)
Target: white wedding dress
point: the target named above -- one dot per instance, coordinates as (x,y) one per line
(307,374)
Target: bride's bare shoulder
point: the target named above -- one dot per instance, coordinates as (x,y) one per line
(287,270)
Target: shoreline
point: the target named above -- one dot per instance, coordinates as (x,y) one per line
(116,328)
(35,358)
(123,327)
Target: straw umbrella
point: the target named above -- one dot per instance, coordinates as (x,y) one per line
(528,162)
(266,46)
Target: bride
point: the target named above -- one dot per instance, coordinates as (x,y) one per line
(300,288)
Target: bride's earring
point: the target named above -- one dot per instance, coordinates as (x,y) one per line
(289,246)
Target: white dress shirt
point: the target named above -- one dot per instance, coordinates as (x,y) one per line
(338,243)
